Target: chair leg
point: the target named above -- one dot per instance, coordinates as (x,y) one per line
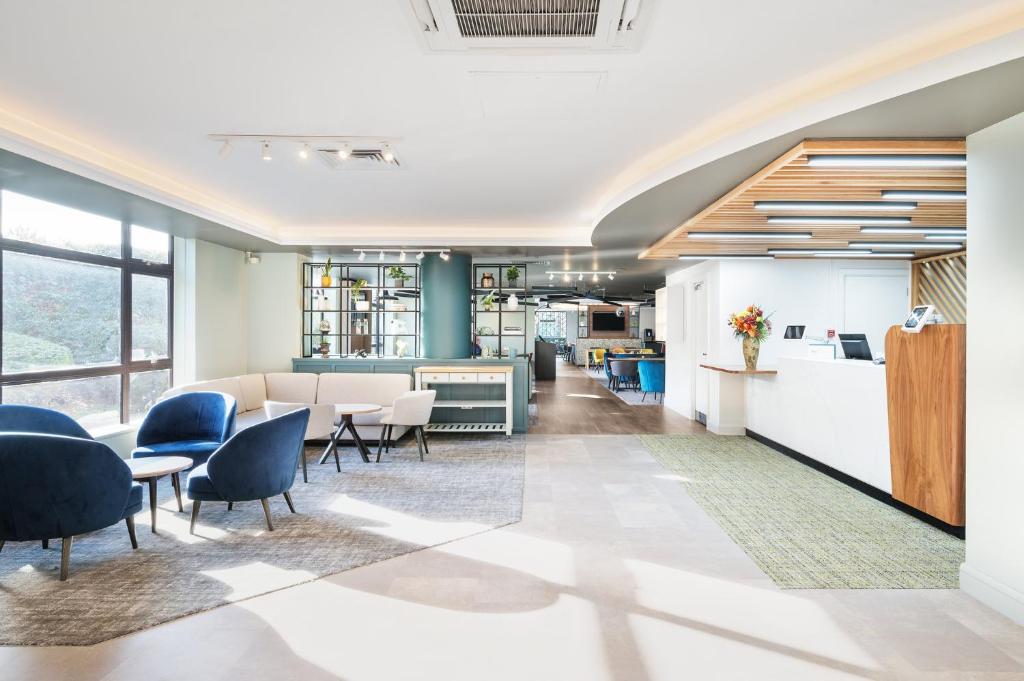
(423,436)
(2,542)
(231,505)
(65,557)
(288,498)
(380,441)
(46,543)
(419,443)
(266,512)
(387,440)
(195,516)
(644,398)
(302,461)
(130,522)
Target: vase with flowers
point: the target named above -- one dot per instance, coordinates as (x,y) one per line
(753,327)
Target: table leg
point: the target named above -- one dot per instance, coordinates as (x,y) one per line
(152,504)
(333,446)
(176,482)
(360,445)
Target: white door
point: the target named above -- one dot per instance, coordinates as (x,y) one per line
(700,344)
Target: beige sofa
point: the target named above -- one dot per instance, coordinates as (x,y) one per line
(320,392)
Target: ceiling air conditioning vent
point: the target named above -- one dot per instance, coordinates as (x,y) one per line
(509,25)
(358,159)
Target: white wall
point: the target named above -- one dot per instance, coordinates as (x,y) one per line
(994,570)
(274,312)
(820,294)
(221,312)
(648,320)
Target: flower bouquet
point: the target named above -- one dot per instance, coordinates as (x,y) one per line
(753,326)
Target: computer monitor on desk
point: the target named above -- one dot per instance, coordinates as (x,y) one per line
(855,346)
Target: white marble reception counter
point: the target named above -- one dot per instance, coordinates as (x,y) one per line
(833,411)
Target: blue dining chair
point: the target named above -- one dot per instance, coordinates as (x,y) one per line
(190,424)
(21,418)
(652,378)
(61,486)
(255,463)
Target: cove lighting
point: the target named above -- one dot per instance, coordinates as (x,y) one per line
(718,256)
(757,236)
(923,195)
(836,220)
(833,205)
(939,231)
(906,244)
(887,161)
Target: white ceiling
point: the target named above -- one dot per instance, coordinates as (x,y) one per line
(497,148)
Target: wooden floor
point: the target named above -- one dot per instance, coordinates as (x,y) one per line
(576,404)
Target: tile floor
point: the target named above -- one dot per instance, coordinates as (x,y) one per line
(614,573)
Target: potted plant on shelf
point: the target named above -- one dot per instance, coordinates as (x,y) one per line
(753,327)
(398,275)
(325,273)
(512,274)
(325,343)
(362,305)
(488,302)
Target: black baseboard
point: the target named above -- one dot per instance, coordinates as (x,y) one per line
(858,485)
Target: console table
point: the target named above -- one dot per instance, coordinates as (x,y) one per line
(462,375)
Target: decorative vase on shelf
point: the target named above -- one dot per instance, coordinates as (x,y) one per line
(487,281)
(325,281)
(325,349)
(751,348)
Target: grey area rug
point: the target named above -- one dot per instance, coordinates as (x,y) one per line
(804,529)
(365,514)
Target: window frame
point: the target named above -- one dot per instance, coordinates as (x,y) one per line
(127,265)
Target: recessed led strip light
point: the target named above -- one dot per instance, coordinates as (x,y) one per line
(834,205)
(757,236)
(887,160)
(945,237)
(941,232)
(923,195)
(937,245)
(837,253)
(725,256)
(836,220)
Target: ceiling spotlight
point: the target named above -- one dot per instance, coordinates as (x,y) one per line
(381,256)
(420,255)
(551,276)
(444,255)
(362,256)
(401,256)
(611,277)
(387,154)
(344,152)
(580,278)
(595,278)
(304,152)
(265,151)
(225,149)
(565,277)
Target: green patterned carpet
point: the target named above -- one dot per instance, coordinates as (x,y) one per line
(804,529)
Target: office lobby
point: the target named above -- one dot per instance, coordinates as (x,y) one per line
(622,340)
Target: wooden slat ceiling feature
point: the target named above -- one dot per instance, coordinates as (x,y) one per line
(790,178)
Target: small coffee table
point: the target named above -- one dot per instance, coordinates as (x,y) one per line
(344,413)
(152,468)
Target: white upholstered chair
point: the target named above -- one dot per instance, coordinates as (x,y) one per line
(321,425)
(413,411)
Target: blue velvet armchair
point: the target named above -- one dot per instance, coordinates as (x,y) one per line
(20,418)
(191,424)
(60,486)
(256,463)
(652,377)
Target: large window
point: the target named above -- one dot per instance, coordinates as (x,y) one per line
(86,304)
(551,324)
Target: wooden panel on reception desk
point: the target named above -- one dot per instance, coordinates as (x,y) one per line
(926,380)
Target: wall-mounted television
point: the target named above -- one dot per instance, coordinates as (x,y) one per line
(608,321)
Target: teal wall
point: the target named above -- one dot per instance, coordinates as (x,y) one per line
(446,300)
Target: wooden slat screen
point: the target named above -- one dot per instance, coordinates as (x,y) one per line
(942,282)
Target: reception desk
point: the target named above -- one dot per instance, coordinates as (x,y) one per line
(832,411)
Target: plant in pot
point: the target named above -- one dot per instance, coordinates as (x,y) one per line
(753,327)
(325,273)
(512,274)
(488,302)
(398,275)
(357,290)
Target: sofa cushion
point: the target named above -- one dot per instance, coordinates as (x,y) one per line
(250,418)
(231,385)
(379,389)
(296,387)
(254,388)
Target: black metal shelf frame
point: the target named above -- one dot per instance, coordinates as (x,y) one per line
(503,287)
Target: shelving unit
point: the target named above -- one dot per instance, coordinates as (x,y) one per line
(479,388)
(374,329)
(507,327)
